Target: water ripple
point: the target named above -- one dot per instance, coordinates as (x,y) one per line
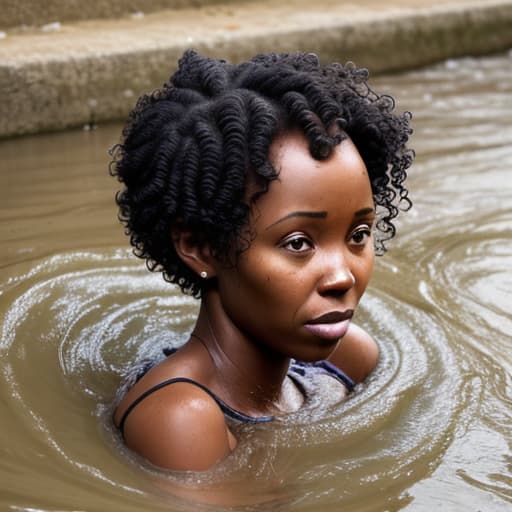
(85,319)
(430,425)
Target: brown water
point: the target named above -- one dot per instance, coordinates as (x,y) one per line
(431,430)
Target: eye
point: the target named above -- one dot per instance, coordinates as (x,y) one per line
(361,235)
(297,244)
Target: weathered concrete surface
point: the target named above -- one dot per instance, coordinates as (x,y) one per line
(95,70)
(16,13)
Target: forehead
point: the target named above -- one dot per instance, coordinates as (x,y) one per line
(306,183)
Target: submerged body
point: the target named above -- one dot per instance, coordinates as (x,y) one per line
(291,295)
(256,187)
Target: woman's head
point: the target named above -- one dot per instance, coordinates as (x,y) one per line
(191,149)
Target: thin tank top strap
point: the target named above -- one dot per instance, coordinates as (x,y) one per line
(301,368)
(226,409)
(337,372)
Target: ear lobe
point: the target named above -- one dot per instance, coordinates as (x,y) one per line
(197,256)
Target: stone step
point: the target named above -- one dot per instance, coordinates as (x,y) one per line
(35,13)
(92,71)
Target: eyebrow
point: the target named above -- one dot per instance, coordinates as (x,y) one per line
(364,211)
(313,215)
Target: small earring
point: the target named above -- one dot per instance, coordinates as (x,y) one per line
(203,274)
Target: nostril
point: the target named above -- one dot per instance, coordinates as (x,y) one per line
(335,292)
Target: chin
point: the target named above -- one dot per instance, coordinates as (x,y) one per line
(320,352)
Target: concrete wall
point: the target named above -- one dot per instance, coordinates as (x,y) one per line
(95,73)
(15,13)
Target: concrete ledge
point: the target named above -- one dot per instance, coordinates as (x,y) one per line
(16,13)
(95,71)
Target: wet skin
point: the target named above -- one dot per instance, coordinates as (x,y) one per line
(291,294)
(312,253)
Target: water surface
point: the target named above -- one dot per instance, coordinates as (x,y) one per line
(429,430)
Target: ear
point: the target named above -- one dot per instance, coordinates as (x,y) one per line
(197,256)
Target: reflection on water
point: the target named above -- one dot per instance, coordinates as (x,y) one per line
(430,429)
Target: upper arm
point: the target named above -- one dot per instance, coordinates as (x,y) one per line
(357,354)
(179,427)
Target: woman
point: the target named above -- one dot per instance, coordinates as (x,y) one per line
(257,188)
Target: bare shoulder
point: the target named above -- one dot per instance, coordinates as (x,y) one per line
(178,427)
(357,354)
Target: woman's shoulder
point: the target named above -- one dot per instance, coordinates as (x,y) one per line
(357,354)
(171,419)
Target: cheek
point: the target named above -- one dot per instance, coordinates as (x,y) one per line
(248,287)
(260,304)
(271,285)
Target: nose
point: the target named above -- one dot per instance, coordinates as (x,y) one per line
(337,277)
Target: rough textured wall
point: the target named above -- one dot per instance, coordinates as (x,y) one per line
(14,13)
(94,72)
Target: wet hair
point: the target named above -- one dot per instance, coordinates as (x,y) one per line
(189,149)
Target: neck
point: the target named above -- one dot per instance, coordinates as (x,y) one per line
(247,374)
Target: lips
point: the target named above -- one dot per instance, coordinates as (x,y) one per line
(332,325)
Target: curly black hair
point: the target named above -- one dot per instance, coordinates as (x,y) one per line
(189,148)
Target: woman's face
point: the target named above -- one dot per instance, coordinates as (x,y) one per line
(297,285)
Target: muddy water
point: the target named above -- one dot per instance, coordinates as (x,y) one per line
(431,429)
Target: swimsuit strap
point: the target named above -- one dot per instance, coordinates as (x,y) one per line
(333,370)
(226,409)
(300,367)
